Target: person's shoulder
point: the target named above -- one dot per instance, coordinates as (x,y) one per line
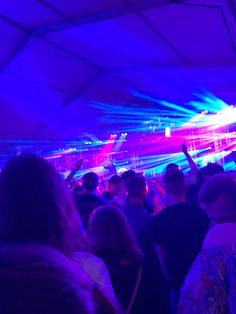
(221,236)
(93,198)
(95,268)
(188,208)
(165,212)
(161,217)
(91,264)
(197,211)
(87,258)
(211,260)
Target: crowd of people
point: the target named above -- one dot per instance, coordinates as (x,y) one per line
(131,247)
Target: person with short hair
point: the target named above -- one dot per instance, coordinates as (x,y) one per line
(210,170)
(89,199)
(178,233)
(90,181)
(114,187)
(172,166)
(129,174)
(141,222)
(135,210)
(120,198)
(202,176)
(210,286)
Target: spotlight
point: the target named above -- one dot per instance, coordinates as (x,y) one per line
(112,135)
(231,106)
(115,135)
(126,134)
(206,111)
(203,112)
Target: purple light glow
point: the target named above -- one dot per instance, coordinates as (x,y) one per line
(113,68)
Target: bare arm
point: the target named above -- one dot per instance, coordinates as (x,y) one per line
(193,167)
(74,170)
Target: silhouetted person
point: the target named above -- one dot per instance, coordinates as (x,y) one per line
(43,267)
(136,212)
(178,232)
(111,238)
(202,176)
(129,174)
(172,166)
(141,223)
(114,187)
(89,200)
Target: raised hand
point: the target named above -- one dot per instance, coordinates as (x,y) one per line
(78,164)
(184,149)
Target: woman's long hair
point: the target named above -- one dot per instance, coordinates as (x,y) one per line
(36,206)
(109,233)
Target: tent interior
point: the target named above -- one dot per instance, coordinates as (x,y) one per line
(118,81)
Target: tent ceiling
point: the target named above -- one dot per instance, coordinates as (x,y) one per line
(59,57)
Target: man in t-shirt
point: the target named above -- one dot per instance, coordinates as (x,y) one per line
(178,233)
(141,223)
(89,200)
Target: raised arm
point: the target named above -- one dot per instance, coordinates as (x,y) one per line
(74,170)
(193,167)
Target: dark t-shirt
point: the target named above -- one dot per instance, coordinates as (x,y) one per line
(140,222)
(180,230)
(192,194)
(86,203)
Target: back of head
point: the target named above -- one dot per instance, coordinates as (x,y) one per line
(174,182)
(128,175)
(212,169)
(172,166)
(115,185)
(136,187)
(36,207)
(218,186)
(90,181)
(115,179)
(110,234)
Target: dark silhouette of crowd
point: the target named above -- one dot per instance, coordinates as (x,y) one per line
(129,245)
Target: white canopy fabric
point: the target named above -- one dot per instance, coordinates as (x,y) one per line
(58,59)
